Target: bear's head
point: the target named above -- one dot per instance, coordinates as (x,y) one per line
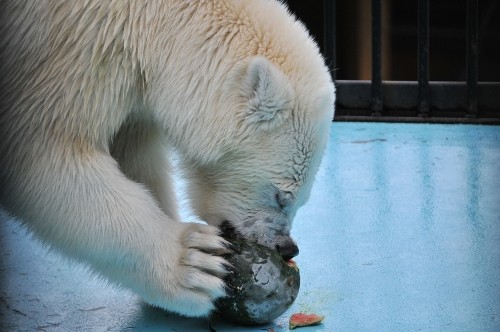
(269,141)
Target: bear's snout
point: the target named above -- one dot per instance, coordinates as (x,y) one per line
(287,247)
(284,244)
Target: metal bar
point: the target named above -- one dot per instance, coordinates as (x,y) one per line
(415,119)
(423,58)
(449,99)
(330,34)
(472,55)
(377,102)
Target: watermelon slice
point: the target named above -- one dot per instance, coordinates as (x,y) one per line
(293,264)
(300,319)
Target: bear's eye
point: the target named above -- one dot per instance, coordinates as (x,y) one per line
(284,198)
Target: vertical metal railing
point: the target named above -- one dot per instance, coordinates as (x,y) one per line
(329,8)
(423,58)
(472,58)
(377,102)
(421,101)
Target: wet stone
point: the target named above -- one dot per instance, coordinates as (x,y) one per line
(261,285)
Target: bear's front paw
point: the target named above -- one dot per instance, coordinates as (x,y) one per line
(203,267)
(200,270)
(187,277)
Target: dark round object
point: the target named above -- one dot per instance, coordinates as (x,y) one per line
(261,285)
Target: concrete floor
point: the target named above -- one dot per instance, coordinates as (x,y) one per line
(402,233)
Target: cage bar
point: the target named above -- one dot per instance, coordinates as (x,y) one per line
(423,58)
(377,101)
(471,101)
(472,58)
(329,35)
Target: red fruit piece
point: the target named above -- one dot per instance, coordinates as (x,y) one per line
(293,264)
(300,319)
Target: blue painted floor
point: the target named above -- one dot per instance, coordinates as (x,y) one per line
(402,233)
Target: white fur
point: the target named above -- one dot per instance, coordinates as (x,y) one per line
(94,94)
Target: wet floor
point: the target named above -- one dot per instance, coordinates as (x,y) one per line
(402,233)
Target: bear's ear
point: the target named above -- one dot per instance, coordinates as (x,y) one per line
(269,95)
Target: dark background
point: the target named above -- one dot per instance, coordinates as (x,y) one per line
(399,38)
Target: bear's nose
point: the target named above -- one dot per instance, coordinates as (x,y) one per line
(287,249)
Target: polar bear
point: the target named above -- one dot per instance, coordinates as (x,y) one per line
(94,96)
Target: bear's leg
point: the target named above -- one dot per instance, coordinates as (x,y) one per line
(142,157)
(76,199)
